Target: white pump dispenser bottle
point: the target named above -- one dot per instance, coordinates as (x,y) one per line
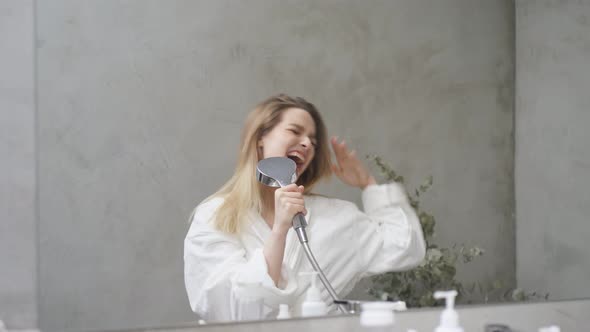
(313,305)
(284,312)
(449,319)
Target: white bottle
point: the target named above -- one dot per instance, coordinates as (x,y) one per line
(399,306)
(313,305)
(247,302)
(284,312)
(449,319)
(377,316)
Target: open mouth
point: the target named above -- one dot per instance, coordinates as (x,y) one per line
(297,158)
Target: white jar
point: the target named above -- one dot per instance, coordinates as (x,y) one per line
(377,316)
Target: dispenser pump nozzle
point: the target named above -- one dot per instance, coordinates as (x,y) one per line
(313,304)
(449,319)
(449,297)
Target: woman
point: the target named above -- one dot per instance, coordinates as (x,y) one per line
(240,238)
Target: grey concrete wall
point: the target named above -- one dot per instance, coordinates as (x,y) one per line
(140,105)
(18,250)
(552,150)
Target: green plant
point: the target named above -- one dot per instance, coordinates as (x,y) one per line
(438,270)
(497,291)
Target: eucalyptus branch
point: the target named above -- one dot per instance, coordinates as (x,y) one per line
(439,268)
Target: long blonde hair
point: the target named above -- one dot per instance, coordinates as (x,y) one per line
(242,192)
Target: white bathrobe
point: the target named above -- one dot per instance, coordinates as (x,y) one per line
(348,244)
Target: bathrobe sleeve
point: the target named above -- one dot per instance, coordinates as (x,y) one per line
(391,238)
(217,272)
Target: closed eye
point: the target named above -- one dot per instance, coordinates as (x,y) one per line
(297,131)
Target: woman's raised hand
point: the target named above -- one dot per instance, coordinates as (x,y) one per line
(348,167)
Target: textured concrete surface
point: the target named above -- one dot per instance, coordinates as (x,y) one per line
(552,150)
(18,249)
(134,96)
(140,105)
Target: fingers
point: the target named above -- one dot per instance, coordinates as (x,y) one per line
(290,199)
(290,207)
(291,194)
(290,189)
(336,169)
(288,196)
(343,155)
(339,148)
(294,207)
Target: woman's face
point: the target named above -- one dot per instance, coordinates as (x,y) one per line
(293,137)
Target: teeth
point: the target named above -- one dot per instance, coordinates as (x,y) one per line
(296,158)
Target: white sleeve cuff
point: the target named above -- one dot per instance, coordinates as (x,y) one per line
(378,196)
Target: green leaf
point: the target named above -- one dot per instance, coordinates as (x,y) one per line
(438,270)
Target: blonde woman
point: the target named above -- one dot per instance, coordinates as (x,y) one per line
(240,238)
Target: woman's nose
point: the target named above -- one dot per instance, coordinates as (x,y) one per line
(306,142)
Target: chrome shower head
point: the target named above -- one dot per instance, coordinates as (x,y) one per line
(276,171)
